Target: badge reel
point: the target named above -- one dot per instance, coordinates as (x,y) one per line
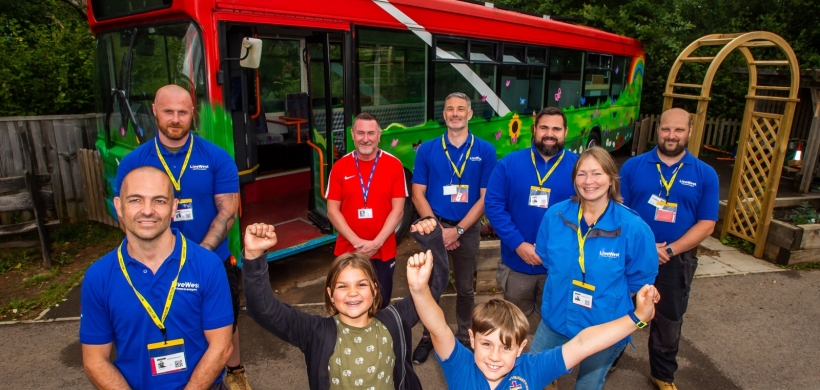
(539,197)
(185,210)
(167,357)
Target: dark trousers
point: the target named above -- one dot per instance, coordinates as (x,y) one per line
(384,275)
(234,273)
(464,270)
(674,282)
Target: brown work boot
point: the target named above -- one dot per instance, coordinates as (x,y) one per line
(661,385)
(237,380)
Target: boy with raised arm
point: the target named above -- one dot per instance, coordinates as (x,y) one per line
(499,334)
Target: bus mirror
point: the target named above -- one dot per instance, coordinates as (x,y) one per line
(251,53)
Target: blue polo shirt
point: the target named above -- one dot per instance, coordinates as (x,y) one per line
(507,200)
(695,190)
(111,312)
(531,371)
(433,169)
(620,257)
(210,171)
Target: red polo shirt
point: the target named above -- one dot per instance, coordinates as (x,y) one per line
(346,187)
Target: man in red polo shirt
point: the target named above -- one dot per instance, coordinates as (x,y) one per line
(365,201)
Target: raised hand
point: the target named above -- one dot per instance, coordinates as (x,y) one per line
(425,226)
(646,299)
(419,268)
(259,237)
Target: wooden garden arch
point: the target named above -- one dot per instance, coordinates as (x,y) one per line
(763,137)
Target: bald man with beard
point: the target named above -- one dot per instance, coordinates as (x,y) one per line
(677,196)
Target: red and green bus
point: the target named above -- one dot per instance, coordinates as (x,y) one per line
(323,62)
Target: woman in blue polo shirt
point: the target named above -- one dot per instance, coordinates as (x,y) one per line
(598,253)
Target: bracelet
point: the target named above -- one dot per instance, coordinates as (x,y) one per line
(640,324)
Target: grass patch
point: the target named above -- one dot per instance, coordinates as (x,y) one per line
(26,288)
(739,243)
(66,242)
(802,266)
(52,295)
(39,279)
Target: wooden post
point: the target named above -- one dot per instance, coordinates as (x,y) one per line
(812,145)
(646,131)
(33,188)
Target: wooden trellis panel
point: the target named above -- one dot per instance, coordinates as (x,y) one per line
(763,135)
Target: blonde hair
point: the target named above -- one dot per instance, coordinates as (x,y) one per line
(508,319)
(608,165)
(354,260)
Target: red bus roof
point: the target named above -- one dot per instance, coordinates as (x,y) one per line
(446,17)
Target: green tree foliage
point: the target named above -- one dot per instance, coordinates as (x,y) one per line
(666,27)
(46,52)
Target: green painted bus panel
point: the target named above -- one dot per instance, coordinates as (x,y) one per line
(612,120)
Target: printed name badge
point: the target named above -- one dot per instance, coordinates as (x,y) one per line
(667,212)
(655,200)
(450,190)
(539,197)
(461,195)
(365,213)
(582,299)
(185,210)
(167,357)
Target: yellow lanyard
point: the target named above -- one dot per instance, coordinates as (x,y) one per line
(463,165)
(538,174)
(175,181)
(668,184)
(160,323)
(582,238)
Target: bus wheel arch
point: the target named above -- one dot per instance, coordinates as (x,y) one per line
(593,138)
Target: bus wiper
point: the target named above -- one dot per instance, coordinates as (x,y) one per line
(121,94)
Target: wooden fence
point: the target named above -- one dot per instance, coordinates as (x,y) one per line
(718,132)
(55,143)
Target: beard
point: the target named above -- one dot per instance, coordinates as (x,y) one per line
(175,133)
(674,152)
(547,150)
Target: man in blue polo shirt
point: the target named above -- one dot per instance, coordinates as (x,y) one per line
(523,185)
(160,298)
(206,182)
(450,178)
(677,195)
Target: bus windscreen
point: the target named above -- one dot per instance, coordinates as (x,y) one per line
(107,9)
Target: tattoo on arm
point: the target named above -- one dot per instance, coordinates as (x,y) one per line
(226,207)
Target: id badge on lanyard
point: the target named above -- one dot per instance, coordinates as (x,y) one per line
(185,210)
(539,197)
(666,212)
(458,193)
(167,357)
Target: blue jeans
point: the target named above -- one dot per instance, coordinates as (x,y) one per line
(593,370)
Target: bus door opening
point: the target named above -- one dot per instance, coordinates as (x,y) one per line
(288,135)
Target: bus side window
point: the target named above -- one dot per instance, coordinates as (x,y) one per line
(565,78)
(393,76)
(620,67)
(522,78)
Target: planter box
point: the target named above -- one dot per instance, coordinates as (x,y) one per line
(787,244)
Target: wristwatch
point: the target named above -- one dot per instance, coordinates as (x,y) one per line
(669,251)
(460,230)
(640,324)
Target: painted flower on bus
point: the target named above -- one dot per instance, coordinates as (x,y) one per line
(515,128)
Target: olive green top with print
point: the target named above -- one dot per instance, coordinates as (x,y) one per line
(363,358)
